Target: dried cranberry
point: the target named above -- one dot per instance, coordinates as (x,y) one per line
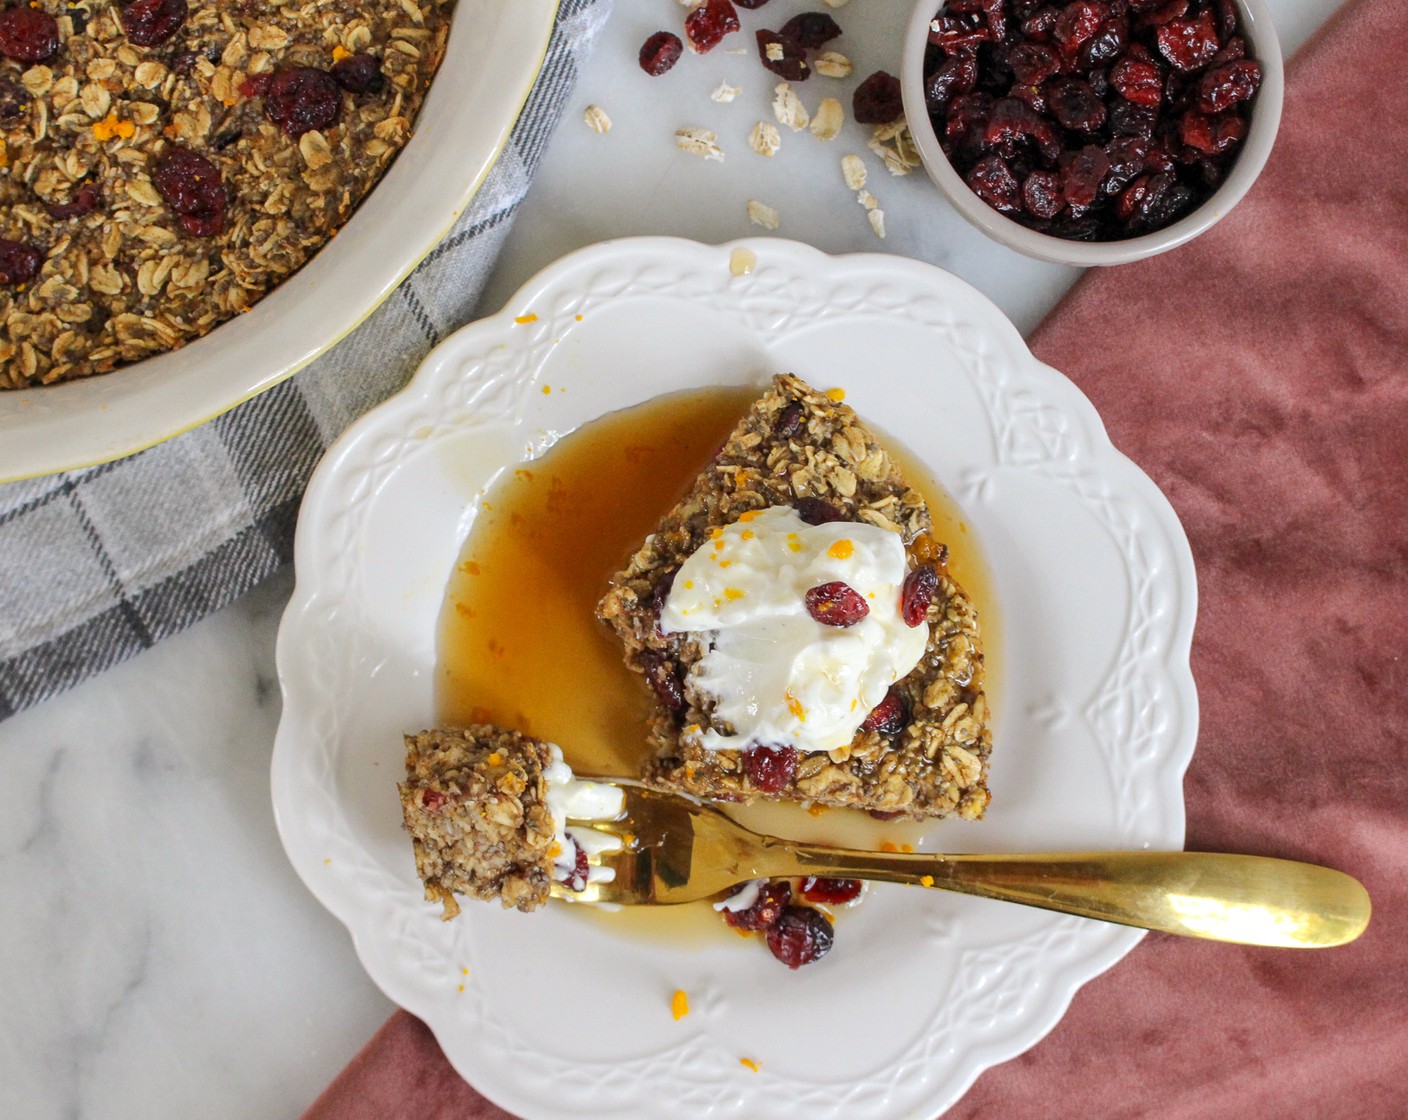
(85,201)
(663,679)
(886,814)
(1030,95)
(1012,123)
(817,511)
(832,892)
(1138,80)
(836,604)
(1077,23)
(576,879)
(791,61)
(182,62)
(256,85)
(1227,85)
(661,591)
(773,897)
(1189,44)
(1233,49)
(789,420)
(917,593)
(810,30)
(992,181)
(770,768)
(958,73)
(1082,175)
(1075,105)
(28,34)
(1211,135)
(1040,24)
(660,52)
(19,263)
(150,23)
(750,4)
(799,936)
(192,187)
(888,717)
(1041,194)
(1229,20)
(1162,12)
(1153,201)
(1033,63)
(432,799)
(1106,45)
(964,125)
(1129,158)
(359,73)
(14,101)
(954,33)
(706,26)
(877,100)
(301,99)
(1128,119)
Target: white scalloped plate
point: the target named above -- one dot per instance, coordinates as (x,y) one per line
(491,61)
(558,1016)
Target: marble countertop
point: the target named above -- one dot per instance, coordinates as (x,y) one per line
(158,956)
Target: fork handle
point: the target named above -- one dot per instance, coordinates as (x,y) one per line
(1253,900)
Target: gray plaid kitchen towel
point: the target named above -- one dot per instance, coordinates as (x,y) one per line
(99,564)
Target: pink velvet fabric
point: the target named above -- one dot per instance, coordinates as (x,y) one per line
(1260,376)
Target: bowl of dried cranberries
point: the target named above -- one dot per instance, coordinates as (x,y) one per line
(1092,132)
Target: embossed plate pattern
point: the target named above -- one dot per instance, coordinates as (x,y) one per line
(557,1015)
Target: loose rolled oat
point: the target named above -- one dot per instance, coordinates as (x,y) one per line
(700,142)
(894,144)
(761,214)
(287,114)
(765,139)
(853,171)
(832,64)
(596,119)
(828,119)
(787,107)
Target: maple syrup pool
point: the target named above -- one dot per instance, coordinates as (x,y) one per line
(519,641)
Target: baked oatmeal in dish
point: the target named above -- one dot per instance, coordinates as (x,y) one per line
(164,163)
(487,810)
(795,619)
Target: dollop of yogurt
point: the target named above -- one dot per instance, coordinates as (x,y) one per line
(570,797)
(778,676)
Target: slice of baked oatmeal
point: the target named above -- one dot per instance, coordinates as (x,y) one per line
(475,803)
(836,661)
(487,810)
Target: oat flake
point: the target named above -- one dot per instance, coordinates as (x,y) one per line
(701,142)
(826,124)
(832,64)
(765,139)
(761,214)
(596,119)
(787,107)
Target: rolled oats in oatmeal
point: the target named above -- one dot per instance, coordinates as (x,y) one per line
(921,751)
(163,165)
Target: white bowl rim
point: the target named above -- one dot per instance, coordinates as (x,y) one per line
(1260,33)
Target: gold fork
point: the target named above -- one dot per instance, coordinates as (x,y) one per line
(678,850)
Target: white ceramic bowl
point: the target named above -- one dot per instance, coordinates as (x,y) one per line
(1260,34)
(491,61)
